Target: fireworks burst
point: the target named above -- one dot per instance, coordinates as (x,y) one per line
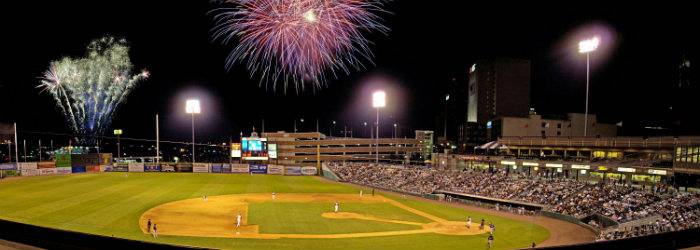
(88,90)
(299,41)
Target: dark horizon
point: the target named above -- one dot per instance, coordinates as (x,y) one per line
(427,52)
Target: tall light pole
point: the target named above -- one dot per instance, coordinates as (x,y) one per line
(395,134)
(378,101)
(192,107)
(447,98)
(118,133)
(586,47)
(332,128)
(365,132)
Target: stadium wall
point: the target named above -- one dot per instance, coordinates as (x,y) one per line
(671,240)
(49,238)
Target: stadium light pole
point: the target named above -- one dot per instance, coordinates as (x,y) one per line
(587,47)
(378,101)
(192,107)
(118,133)
(332,128)
(447,98)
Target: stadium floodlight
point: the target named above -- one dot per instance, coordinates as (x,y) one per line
(378,101)
(118,133)
(192,107)
(586,47)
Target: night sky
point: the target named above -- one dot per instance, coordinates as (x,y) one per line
(426,54)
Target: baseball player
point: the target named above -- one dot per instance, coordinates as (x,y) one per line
(274,196)
(490,240)
(469,222)
(155,231)
(238,220)
(337,206)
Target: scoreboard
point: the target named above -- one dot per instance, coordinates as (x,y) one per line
(254,148)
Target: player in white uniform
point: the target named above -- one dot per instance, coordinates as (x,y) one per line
(337,206)
(469,222)
(274,196)
(238,220)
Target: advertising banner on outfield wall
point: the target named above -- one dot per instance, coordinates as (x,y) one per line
(108,168)
(200,168)
(240,168)
(27,165)
(64,170)
(275,169)
(167,168)
(216,167)
(77,169)
(29,172)
(46,164)
(136,167)
(7,166)
(48,171)
(183,167)
(309,171)
(226,168)
(152,167)
(292,170)
(120,167)
(258,169)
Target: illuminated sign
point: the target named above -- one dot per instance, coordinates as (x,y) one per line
(472,68)
(536,168)
(272,151)
(574,166)
(507,163)
(489,124)
(515,167)
(235,150)
(626,170)
(117,132)
(554,165)
(253,148)
(559,170)
(602,168)
(532,164)
(582,171)
(656,172)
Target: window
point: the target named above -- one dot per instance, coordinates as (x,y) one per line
(558,132)
(544,124)
(558,125)
(543,132)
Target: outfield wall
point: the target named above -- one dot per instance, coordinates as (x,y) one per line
(54,168)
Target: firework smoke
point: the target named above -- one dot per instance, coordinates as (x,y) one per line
(298,41)
(88,90)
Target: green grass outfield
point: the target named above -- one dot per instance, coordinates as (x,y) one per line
(111,204)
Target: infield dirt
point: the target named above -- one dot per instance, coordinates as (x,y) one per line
(216,217)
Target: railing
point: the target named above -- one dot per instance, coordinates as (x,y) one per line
(615,142)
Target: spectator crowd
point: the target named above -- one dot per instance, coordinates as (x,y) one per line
(676,211)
